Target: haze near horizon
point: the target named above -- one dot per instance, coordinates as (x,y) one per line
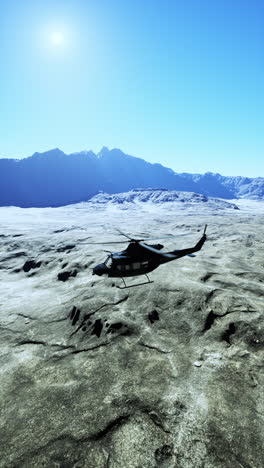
(179,83)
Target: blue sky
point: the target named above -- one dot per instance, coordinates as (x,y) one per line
(178,82)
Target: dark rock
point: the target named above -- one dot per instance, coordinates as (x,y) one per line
(65,275)
(31,264)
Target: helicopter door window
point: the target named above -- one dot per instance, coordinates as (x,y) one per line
(127,267)
(136,266)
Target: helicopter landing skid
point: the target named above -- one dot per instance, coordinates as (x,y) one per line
(134,285)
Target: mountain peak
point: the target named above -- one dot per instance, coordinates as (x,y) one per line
(52,152)
(104,150)
(83,153)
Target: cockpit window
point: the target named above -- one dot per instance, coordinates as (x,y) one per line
(108,261)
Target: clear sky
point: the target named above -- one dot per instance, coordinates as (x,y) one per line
(180,82)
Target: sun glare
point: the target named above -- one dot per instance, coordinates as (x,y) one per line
(56,41)
(57,38)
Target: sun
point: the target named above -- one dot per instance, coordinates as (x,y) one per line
(57,38)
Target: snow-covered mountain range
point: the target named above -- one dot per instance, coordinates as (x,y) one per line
(54,178)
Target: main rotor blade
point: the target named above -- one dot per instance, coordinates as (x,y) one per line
(136,240)
(166,237)
(152,238)
(157,252)
(123,234)
(102,243)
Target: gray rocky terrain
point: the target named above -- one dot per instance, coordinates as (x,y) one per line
(165,375)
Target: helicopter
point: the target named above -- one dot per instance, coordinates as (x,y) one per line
(140,258)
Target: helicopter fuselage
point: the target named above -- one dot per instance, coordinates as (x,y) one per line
(133,261)
(140,258)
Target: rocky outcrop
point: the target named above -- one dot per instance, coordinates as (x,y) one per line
(161,196)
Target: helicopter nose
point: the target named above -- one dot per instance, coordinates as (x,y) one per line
(100,269)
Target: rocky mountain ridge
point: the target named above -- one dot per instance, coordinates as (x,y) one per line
(159,196)
(54,178)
